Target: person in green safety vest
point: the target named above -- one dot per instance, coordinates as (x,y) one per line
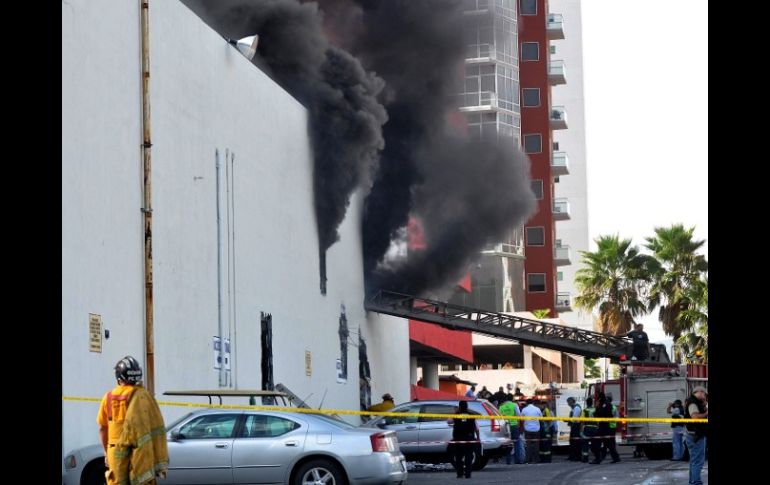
(510,408)
(546,433)
(588,430)
(613,424)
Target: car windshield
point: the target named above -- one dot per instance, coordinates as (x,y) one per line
(177,421)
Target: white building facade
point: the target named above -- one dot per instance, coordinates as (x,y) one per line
(208,102)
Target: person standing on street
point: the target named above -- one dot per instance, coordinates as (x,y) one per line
(546,433)
(532,431)
(676,410)
(510,408)
(697,407)
(465,440)
(575,441)
(588,430)
(606,435)
(131,430)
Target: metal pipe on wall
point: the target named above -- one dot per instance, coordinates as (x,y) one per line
(220,293)
(149,367)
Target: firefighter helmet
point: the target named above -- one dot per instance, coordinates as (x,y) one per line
(128,370)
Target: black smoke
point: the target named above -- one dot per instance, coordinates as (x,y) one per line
(466,193)
(341,97)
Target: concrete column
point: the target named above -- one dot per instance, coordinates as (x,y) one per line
(430,375)
(413,370)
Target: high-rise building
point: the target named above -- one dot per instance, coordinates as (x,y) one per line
(569,157)
(490,102)
(540,118)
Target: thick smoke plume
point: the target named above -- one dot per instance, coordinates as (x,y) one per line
(341,97)
(466,193)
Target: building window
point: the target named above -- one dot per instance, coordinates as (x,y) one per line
(535,236)
(559,276)
(553,49)
(555,146)
(342,372)
(365,375)
(530,97)
(533,143)
(266,339)
(557,243)
(536,282)
(529,7)
(537,189)
(530,51)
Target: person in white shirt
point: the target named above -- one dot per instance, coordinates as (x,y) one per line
(532,431)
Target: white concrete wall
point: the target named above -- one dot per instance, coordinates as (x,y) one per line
(101,200)
(205,96)
(494,378)
(573,233)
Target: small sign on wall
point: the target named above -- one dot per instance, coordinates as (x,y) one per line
(308,364)
(227,354)
(217,357)
(94,332)
(341,378)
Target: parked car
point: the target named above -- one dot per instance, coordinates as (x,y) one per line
(425,439)
(218,446)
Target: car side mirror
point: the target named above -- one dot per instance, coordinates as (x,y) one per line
(174,435)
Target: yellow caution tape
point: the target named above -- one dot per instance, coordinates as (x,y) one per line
(402,415)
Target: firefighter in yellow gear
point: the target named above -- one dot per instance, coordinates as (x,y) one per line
(546,434)
(386,405)
(588,430)
(131,430)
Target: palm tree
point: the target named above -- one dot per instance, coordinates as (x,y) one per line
(542,313)
(614,280)
(695,345)
(678,270)
(592,368)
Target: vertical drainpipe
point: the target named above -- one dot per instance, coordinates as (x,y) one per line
(228,375)
(220,293)
(234,339)
(147,207)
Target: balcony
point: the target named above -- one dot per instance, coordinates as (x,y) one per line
(554,26)
(561,210)
(557,73)
(558,118)
(559,164)
(480,54)
(563,302)
(487,103)
(561,256)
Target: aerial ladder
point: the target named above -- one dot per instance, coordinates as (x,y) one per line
(510,327)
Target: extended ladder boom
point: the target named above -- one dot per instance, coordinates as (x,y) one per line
(527,331)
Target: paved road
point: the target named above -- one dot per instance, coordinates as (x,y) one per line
(630,471)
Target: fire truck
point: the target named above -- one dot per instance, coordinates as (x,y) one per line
(644,390)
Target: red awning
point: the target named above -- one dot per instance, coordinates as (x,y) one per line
(420,393)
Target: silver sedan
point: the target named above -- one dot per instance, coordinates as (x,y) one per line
(215,446)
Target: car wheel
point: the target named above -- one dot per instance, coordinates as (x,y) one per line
(319,472)
(93,473)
